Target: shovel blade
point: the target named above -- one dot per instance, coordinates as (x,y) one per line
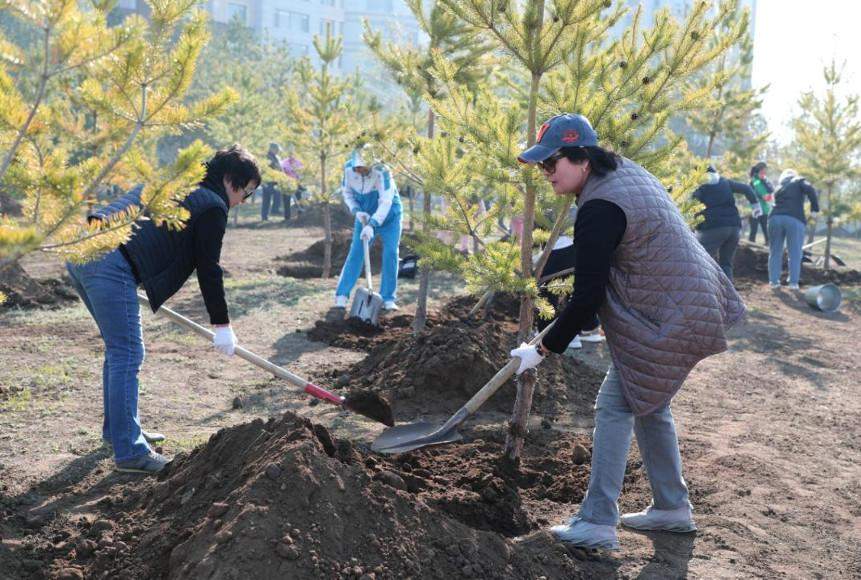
(367,306)
(403,438)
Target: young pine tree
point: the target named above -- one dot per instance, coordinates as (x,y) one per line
(828,138)
(559,58)
(412,69)
(320,118)
(84,109)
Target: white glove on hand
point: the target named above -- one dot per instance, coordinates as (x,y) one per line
(529,357)
(224,340)
(363,217)
(755,211)
(367,233)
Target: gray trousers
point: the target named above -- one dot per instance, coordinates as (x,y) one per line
(659,448)
(721,244)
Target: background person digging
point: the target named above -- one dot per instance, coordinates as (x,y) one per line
(372,196)
(720,230)
(664,305)
(160,260)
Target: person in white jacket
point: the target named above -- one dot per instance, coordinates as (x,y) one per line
(372,196)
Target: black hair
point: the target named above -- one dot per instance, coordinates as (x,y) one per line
(754,171)
(234,163)
(601,161)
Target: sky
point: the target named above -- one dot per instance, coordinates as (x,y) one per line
(793,41)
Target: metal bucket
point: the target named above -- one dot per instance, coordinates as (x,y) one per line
(825,298)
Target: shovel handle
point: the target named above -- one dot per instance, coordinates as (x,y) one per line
(246,354)
(365,246)
(501,377)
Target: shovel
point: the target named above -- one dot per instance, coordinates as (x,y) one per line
(422,434)
(366,403)
(366,302)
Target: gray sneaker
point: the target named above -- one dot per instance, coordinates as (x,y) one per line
(151,463)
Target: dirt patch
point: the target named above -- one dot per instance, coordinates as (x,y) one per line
(308,263)
(23,291)
(439,370)
(751,262)
(356,334)
(284,499)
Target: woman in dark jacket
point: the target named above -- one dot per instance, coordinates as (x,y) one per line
(161,260)
(787,224)
(720,229)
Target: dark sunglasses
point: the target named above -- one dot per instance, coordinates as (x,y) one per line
(549,164)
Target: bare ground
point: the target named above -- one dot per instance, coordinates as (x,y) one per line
(770,431)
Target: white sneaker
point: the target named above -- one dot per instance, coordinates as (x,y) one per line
(390,305)
(794,287)
(585,534)
(679,520)
(592,336)
(775,286)
(575,343)
(340,301)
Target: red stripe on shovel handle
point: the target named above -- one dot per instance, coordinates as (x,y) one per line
(322,393)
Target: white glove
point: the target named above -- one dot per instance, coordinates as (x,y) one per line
(755,211)
(528,355)
(367,233)
(224,340)
(363,217)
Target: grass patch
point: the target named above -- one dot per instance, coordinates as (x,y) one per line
(17,402)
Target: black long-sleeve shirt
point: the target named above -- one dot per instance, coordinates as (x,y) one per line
(598,230)
(789,199)
(209,230)
(719,201)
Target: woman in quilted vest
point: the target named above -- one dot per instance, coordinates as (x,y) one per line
(664,305)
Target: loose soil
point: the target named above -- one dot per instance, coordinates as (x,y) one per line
(286,499)
(22,291)
(308,263)
(751,262)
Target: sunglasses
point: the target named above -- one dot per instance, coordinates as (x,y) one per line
(549,164)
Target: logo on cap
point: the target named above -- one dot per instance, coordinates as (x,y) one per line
(571,136)
(542,131)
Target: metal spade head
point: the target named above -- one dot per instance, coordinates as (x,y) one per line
(405,438)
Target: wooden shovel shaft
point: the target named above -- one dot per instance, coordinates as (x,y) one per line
(500,377)
(246,354)
(366,248)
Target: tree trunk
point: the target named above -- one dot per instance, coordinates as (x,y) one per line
(327,241)
(526,385)
(811,229)
(829,224)
(327,221)
(412,193)
(424,273)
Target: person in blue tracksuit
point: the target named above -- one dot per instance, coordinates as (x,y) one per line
(372,196)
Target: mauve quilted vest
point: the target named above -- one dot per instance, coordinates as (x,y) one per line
(668,303)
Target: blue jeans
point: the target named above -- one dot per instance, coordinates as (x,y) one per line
(791,230)
(390,234)
(659,448)
(108,289)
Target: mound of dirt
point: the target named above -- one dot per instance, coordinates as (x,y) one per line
(751,262)
(308,263)
(22,291)
(284,499)
(439,370)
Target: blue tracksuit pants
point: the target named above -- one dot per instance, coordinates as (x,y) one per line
(390,235)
